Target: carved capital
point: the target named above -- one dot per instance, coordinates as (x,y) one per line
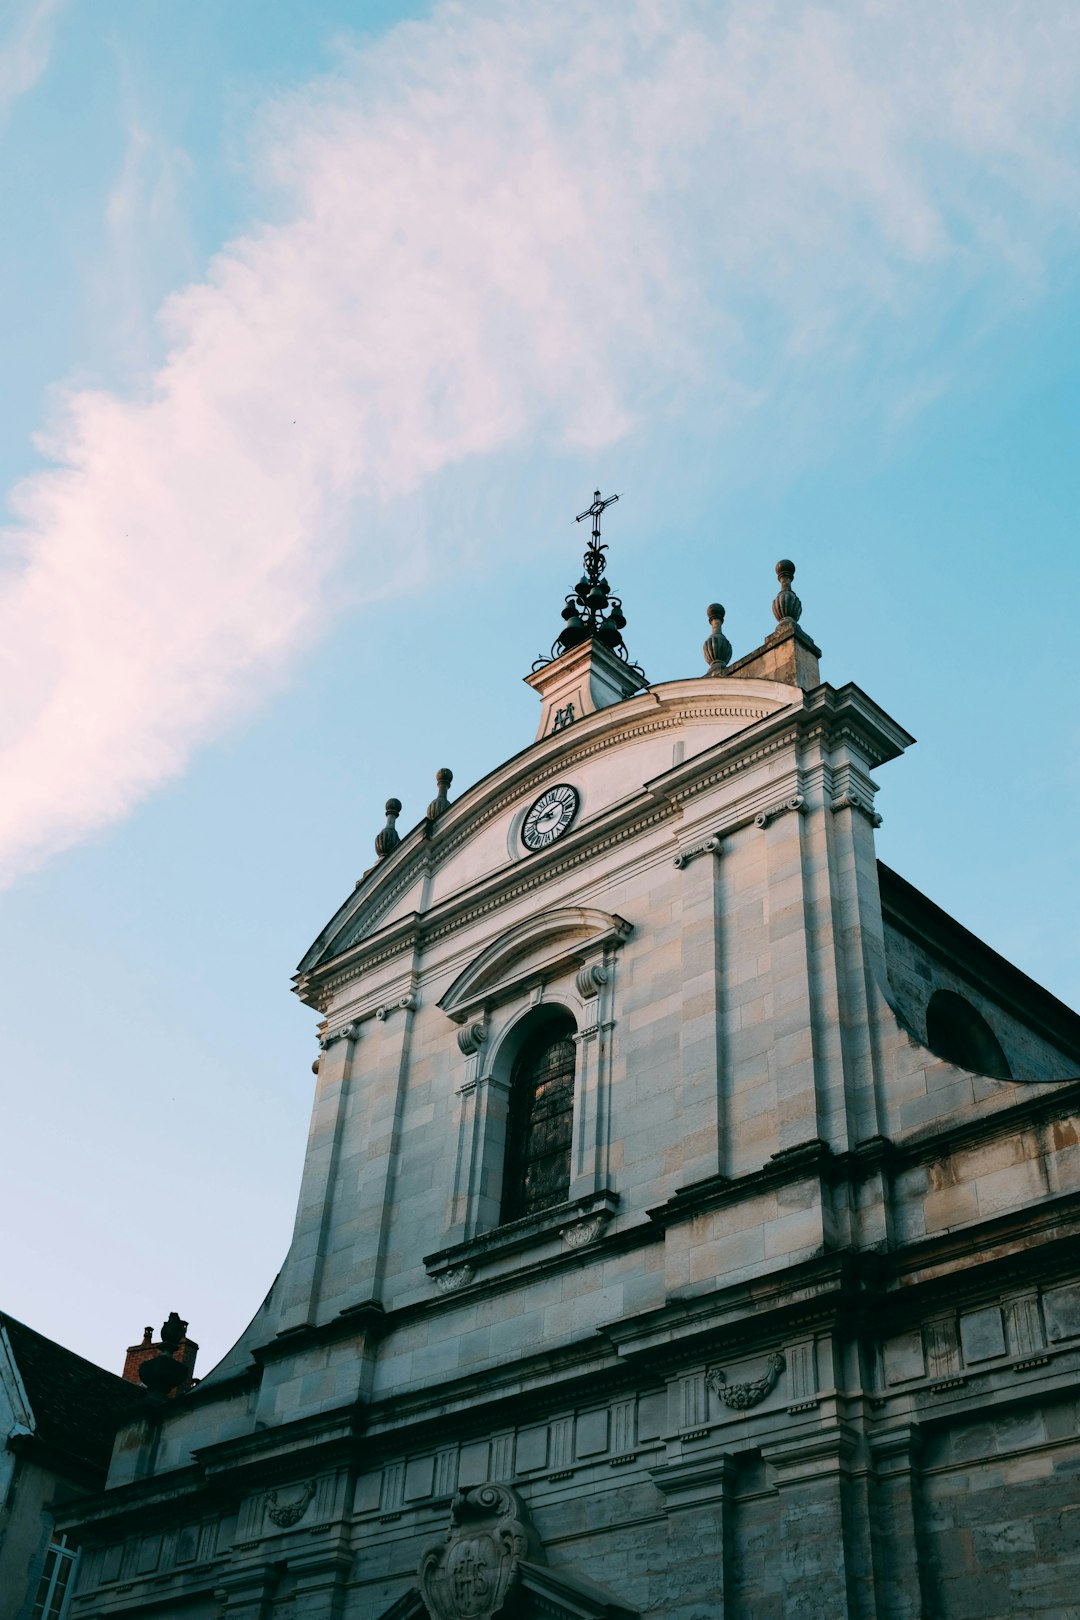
(795,802)
(711,846)
(590,980)
(406,1003)
(346,1032)
(856,801)
(471,1038)
(742,1396)
(471,1572)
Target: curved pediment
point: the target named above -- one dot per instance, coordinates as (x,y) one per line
(531,951)
(619,760)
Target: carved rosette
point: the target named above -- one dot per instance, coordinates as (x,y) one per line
(286,1514)
(470,1574)
(742,1396)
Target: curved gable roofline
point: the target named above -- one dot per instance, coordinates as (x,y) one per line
(536,946)
(751,702)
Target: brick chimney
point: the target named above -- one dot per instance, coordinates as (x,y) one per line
(185,1354)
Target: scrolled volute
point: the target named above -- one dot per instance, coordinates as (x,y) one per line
(471,1037)
(591,979)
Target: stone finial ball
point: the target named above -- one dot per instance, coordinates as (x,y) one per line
(785,568)
(444,777)
(393,807)
(715,613)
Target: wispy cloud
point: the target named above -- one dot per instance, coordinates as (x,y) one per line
(148,240)
(25,45)
(479,223)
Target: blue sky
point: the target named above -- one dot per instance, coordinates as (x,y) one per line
(320,325)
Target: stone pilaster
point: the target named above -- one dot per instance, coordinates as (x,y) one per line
(483,1104)
(692,1565)
(247,1594)
(818,1569)
(354,1271)
(894,1457)
(591,1144)
(793,1057)
(320,1582)
(314,1212)
(700,1073)
(861,954)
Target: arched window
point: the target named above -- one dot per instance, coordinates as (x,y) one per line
(957,1032)
(541,1121)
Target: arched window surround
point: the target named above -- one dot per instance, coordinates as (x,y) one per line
(531,974)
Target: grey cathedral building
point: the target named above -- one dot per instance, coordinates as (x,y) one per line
(688,1227)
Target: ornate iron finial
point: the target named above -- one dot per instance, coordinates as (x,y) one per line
(591,612)
(717,648)
(786,606)
(389,838)
(440,804)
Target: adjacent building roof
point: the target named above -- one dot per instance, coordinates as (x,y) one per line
(76,1405)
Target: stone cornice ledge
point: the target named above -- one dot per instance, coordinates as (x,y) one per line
(579,1221)
(799,1163)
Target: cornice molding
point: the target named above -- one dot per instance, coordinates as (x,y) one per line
(826,715)
(431,844)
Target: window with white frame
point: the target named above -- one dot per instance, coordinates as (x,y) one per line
(57,1581)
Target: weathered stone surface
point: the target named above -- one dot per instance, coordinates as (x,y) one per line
(770,1169)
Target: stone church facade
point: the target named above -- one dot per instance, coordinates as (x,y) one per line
(688,1223)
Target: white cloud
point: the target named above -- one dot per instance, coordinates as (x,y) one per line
(24,50)
(503,223)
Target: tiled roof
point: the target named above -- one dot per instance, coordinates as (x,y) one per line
(76,1404)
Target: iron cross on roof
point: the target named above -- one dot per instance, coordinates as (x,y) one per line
(594,512)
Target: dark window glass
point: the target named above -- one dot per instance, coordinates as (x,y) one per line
(541,1125)
(957,1032)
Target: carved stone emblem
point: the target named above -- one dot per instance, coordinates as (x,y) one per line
(285,1514)
(584,1231)
(448,1282)
(741,1396)
(470,1575)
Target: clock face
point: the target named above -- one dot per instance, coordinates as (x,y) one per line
(550,816)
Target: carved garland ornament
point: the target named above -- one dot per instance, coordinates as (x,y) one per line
(289,1513)
(470,1575)
(742,1396)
